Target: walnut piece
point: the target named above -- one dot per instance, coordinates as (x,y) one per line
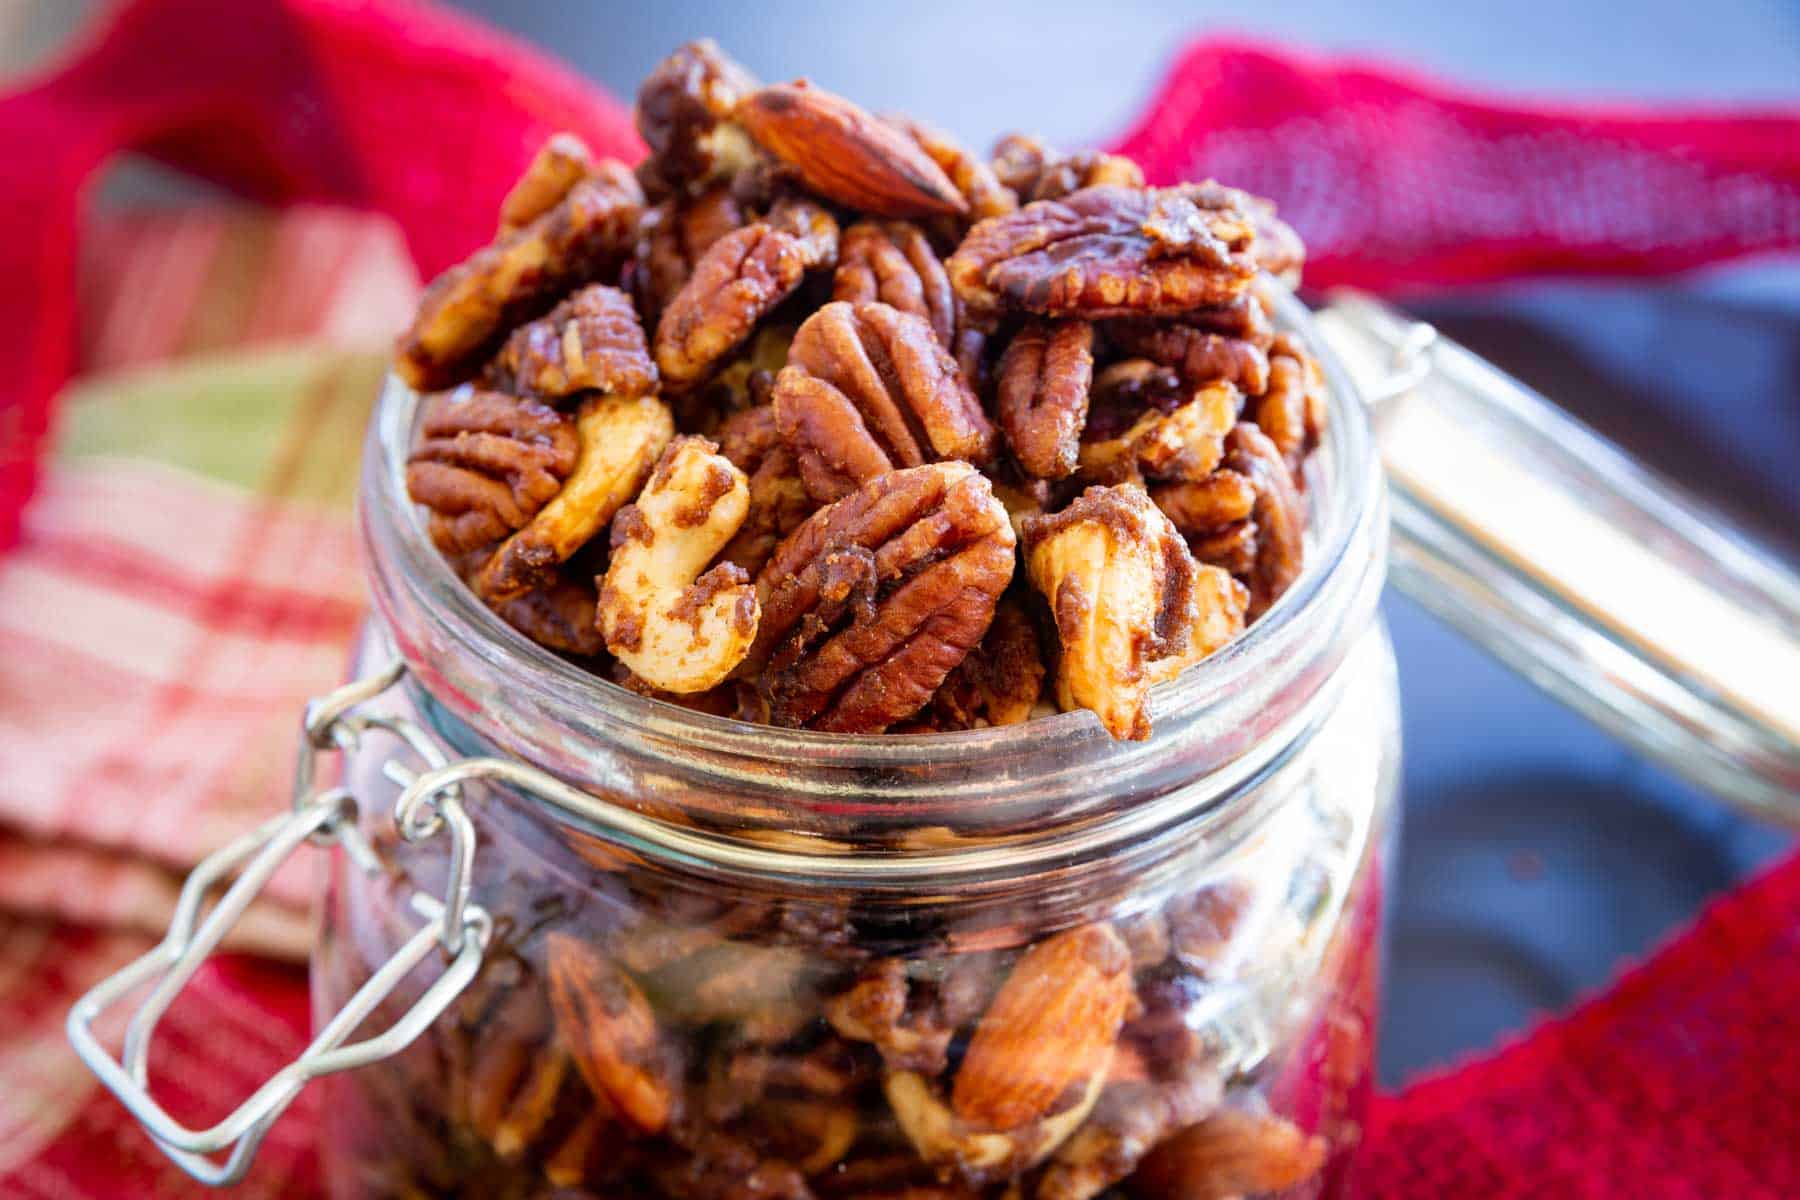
(847,155)
(1185,443)
(560,163)
(620,438)
(1044,378)
(1110,251)
(1033,170)
(871,602)
(675,624)
(683,111)
(1132,607)
(485,464)
(1197,355)
(867,389)
(468,308)
(591,341)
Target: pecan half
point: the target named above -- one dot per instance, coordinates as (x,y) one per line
(1110,251)
(591,341)
(1049,1031)
(1292,411)
(1199,356)
(1185,443)
(998,684)
(1044,378)
(1033,170)
(737,282)
(558,615)
(683,113)
(871,602)
(671,238)
(485,464)
(620,437)
(1279,250)
(675,624)
(1234,1152)
(466,310)
(867,388)
(846,154)
(779,500)
(560,163)
(1132,607)
(606,1024)
(1279,515)
(893,262)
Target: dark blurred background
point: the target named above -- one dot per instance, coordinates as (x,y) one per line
(1539,856)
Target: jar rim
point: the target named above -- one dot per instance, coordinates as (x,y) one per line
(458,648)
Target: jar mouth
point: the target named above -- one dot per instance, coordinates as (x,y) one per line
(519,698)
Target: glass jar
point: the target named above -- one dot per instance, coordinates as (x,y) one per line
(600,945)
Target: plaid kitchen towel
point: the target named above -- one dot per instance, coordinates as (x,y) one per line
(176,593)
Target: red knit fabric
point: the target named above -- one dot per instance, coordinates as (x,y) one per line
(1683,1080)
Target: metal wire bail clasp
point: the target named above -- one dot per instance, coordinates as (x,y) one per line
(323,816)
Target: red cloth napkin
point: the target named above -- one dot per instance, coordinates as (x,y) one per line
(1680,1081)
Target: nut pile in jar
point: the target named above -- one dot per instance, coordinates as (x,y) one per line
(818,419)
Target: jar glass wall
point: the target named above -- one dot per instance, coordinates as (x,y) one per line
(1020,962)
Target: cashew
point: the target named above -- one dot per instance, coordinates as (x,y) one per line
(620,437)
(943,1140)
(674,627)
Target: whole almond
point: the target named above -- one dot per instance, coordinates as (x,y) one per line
(846,153)
(605,1023)
(1231,1153)
(1049,1031)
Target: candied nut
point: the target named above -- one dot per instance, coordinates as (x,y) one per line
(1130,1120)
(868,389)
(846,154)
(893,262)
(872,601)
(486,464)
(1203,923)
(1279,250)
(1132,607)
(558,614)
(1184,444)
(1034,171)
(683,113)
(671,239)
(779,500)
(1279,515)
(980,1155)
(560,163)
(1207,506)
(591,341)
(1199,356)
(1292,411)
(909,1020)
(1234,1152)
(1049,1031)
(674,623)
(813,228)
(469,307)
(1110,252)
(606,1024)
(1045,375)
(986,195)
(737,282)
(998,684)
(620,438)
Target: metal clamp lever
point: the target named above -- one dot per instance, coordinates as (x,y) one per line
(460,928)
